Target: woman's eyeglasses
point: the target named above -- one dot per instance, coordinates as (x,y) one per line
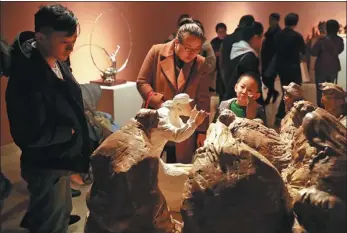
(190,50)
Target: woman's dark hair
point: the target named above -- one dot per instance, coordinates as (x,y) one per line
(189,26)
(221,25)
(291,19)
(255,29)
(57,18)
(332,27)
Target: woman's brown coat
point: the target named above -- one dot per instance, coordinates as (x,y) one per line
(157,74)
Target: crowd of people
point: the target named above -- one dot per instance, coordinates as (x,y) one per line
(46,110)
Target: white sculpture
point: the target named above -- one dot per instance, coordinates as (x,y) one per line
(172,128)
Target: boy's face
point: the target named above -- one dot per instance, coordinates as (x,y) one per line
(246,87)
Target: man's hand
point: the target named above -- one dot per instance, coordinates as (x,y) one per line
(73,131)
(252,106)
(200,139)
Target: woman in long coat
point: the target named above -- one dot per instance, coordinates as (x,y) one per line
(173,68)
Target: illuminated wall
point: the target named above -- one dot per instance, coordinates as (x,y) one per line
(151,22)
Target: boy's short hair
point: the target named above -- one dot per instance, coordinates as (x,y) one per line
(252,75)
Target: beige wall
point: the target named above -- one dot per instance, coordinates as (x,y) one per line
(151,22)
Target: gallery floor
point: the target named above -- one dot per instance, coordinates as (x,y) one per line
(16,204)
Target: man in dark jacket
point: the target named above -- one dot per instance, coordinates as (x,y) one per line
(47,121)
(268,52)
(228,42)
(290,48)
(244,58)
(325,63)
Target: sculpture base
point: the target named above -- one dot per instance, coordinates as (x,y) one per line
(114,83)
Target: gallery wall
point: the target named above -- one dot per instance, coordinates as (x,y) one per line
(150,23)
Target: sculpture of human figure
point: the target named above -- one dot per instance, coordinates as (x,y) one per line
(292,93)
(320,205)
(128,147)
(172,128)
(125,196)
(334,100)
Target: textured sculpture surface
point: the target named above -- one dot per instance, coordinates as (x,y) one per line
(321,206)
(125,196)
(233,188)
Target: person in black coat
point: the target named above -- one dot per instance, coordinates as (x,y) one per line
(325,63)
(221,30)
(244,58)
(46,116)
(290,49)
(268,52)
(229,40)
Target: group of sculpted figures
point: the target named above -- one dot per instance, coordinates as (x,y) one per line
(246,178)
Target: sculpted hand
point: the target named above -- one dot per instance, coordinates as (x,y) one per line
(193,112)
(200,117)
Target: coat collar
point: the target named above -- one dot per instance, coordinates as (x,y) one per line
(168,66)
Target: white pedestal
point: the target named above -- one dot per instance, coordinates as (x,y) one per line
(126,102)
